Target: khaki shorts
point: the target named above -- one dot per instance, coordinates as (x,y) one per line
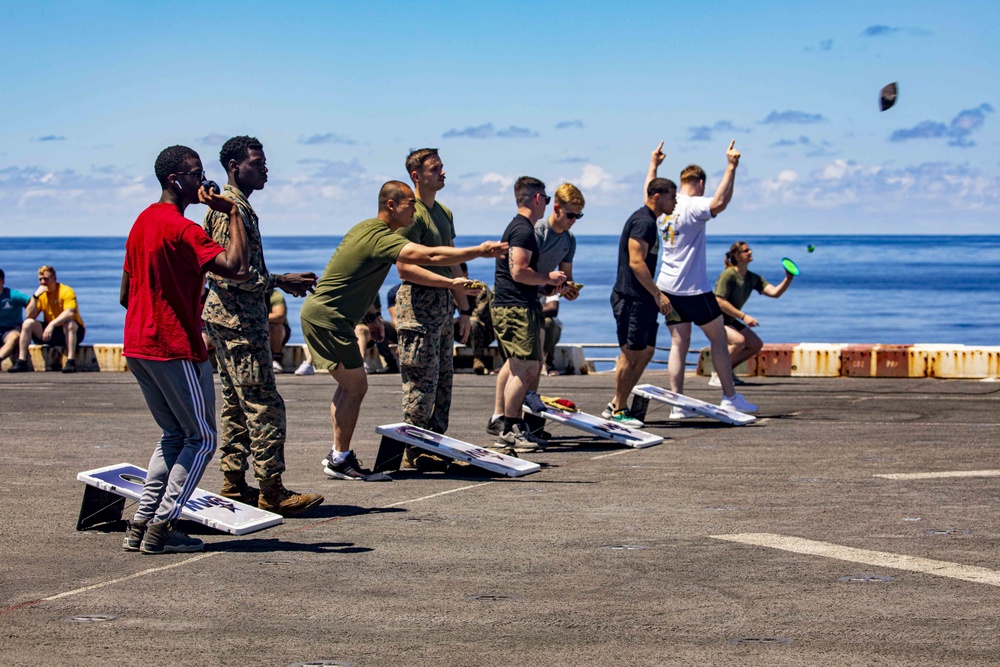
(332,347)
(517,330)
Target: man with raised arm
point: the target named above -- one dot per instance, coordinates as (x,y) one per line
(236,316)
(343,297)
(166,257)
(517,316)
(425,302)
(635,300)
(684,279)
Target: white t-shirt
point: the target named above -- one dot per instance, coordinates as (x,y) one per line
(682,267)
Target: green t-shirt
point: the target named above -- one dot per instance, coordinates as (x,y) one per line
(736,289)
(432,227)
(353,276)
(274,298)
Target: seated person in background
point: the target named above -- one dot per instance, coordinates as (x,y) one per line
(63,326)
(385,351)
(12,304)
(732,289)
(552,326)
(278,330)
(481,334)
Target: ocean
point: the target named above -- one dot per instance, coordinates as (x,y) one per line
(853,289)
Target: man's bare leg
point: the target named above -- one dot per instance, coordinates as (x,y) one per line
(533,385)
(522,372)
(29,328)
(628,369)
(715,331)
(72,329)
(503,378)
(352,385)
(10,343)
(680,341)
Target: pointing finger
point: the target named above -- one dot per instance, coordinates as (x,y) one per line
(659,148)
(731,144)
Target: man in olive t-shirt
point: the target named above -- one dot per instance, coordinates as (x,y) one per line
(344,295)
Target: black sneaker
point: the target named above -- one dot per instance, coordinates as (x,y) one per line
(493,428)
(351,469)
(164,538)
(133,535)
(20,366)
(69,366)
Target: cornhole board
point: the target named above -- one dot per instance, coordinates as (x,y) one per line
(660,395)
(396,436)
(108,487)
(598,427)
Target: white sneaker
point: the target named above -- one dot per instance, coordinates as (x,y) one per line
(305,368)
(277,367)
(738,403)
(714,381)
(681,413)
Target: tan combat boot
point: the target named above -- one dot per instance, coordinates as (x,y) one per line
(235,487)
(274,497)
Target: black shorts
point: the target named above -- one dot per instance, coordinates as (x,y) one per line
(6,330)
(636,320)
(733,323)
(59,337)
(697,308)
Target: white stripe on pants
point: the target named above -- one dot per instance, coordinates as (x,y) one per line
(181,396)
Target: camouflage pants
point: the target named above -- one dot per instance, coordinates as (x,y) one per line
(253,412)
(426,355)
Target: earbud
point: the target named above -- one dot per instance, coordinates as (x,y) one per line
(178,184)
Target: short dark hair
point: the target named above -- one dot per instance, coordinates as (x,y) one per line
(526,188)
(238,148)
(660,186)
(692,174)
(170,161)
(3,276)
(415,160)
(391,190)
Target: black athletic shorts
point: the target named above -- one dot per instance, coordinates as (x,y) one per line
(636,322)
(697,308)
(733,323)
(58,338)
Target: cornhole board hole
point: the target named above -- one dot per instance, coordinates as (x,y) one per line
(600,428)
(660,395)
(108,487)
(395,437)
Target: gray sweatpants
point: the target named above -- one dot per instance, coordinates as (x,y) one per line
(181,396)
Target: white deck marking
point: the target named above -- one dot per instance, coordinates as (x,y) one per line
(936,475)
(435,495)
(143,573)
(939,568)
(605,456)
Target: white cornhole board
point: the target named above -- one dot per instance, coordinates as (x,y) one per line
(451,448)
(208,509)
(600,428)
(702,408)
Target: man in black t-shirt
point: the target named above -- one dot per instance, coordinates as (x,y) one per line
(635,298)
(517,315)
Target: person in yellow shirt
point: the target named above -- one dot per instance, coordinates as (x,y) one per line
(62,326)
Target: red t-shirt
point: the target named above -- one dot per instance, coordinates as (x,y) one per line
(165,258)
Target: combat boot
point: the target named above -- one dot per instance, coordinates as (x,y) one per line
(274,497)
(235,487)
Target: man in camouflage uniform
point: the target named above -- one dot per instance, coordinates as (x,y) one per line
(253,413)
(424,305)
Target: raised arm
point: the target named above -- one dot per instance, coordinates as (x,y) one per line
(774,291)
(655,160)
(724,193)
(233,261)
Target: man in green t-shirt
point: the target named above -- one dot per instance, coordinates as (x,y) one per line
(732,289)
(344,296)
(424,306)
(278,329)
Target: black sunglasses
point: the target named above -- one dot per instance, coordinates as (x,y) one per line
(574,216)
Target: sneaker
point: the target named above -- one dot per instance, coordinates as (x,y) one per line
(681,413)
(164,538)
(274,497)
(714,381)
(516,440)
(351,469)
(738,403)
(495,426)
(305,368)
(608,412)
(534,402)
(69,366)
(277,367)
(20,366)
(134,534)
(625,419)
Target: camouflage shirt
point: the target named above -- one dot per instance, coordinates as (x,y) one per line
(238,304)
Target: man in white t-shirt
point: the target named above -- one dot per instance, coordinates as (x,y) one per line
(684,276)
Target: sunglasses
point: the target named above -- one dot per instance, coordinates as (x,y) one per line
(574,216)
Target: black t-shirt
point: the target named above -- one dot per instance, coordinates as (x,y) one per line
(506,292)
(642,227)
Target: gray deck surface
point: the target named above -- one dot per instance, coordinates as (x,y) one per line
(608,556)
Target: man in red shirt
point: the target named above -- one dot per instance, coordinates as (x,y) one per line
(166,257)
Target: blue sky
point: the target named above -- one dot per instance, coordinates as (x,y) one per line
(582,92)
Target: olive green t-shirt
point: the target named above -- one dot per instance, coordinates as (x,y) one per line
(353,276)
(432,227)
(736,289)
